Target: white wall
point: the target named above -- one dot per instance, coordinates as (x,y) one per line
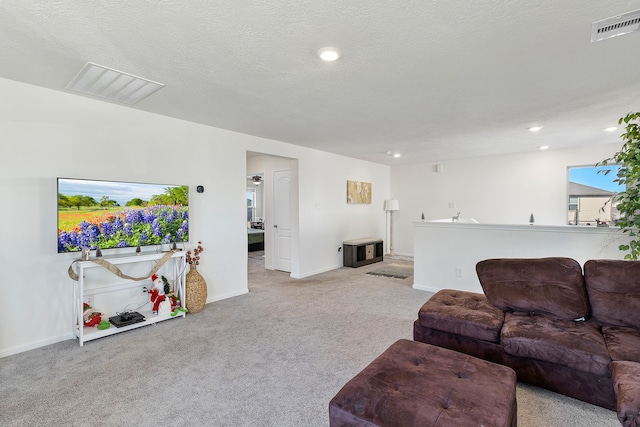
(48,134)
(325,218)
(446,254)
(497,190)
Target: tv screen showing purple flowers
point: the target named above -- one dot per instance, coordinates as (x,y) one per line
(114,214)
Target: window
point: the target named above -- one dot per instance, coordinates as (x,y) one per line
(590,195)
(251,206)
(573,203)
(255,200)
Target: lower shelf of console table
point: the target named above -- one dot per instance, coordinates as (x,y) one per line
(93,333)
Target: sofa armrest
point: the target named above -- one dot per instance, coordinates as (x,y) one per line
(626,382)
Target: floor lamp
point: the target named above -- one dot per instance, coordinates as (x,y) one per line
(390,206)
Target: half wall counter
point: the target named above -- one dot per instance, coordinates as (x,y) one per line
(446,253)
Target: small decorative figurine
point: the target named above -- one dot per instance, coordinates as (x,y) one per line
(85,253)
(166,285)
(104,324)
(178,310)
(89,316)
(98,252)
(164,307)
(156,293)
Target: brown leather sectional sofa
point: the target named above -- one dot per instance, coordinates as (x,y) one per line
(573,332)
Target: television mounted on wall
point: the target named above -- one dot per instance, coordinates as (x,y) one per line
(116,214)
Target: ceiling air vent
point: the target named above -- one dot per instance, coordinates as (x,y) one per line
(615,26)
(98,80)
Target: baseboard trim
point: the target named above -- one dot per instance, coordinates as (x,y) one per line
(313,273)
(35,344)
(426,288)
(400,254)
(227,295)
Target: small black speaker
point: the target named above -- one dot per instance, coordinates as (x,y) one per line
(200,189)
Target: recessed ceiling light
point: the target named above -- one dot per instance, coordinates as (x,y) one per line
(329,53)
(396,155)
(543,147)
(610,129)
(535,128)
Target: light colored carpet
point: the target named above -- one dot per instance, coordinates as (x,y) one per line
(273,357)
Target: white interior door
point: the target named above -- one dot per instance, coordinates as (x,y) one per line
(282,220)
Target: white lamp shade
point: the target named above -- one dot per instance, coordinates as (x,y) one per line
(391,205)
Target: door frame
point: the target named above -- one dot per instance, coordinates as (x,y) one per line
(266,163)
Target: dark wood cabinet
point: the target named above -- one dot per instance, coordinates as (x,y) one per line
(359,252)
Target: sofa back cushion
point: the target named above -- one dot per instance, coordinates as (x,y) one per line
(614,291)
(549,286)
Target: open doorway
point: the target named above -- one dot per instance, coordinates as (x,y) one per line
(255,217)
(272,206)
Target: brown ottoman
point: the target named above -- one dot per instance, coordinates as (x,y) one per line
(417,384)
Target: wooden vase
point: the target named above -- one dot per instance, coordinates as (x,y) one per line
(196,289)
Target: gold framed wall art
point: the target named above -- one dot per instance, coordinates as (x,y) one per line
(358,192)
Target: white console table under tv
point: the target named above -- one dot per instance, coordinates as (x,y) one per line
(94,280)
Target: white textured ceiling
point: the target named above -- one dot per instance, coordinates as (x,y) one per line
(433,80)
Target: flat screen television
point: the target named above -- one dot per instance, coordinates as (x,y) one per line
(115,214)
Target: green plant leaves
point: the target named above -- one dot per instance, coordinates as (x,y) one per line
(628,201)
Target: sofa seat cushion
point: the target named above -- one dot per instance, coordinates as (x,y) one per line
(623,343)
(626,383)
(614,291)
(462,313)
(579,345)
(551,286)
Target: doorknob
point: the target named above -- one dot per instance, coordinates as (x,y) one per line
(275,225)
